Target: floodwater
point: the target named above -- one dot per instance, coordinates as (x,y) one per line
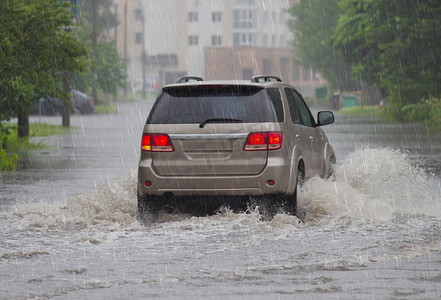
(69,226)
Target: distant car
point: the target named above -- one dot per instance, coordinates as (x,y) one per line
(47,106)
(230,138)
(82,102)
(50,106)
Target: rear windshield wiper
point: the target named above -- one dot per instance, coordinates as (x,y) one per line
(219,120)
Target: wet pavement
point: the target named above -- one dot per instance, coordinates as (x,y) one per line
(70,231)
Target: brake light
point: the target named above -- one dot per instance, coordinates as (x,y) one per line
(90,101)
(275,140)
(258,141)
(156,142)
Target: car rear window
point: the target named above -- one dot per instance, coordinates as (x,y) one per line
(195,104)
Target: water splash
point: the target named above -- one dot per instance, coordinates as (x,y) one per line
(112,204)
(373,184)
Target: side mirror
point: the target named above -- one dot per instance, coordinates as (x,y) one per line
(325,118)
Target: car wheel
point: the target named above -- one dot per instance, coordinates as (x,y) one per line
(147,209)
(331,168)
(290,204)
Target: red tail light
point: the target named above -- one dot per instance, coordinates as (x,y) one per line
(257,141)
(275,140)
(156,142)
(90,101)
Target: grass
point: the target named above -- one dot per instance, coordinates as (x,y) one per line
(314,102)
(108,108)
(363,111)
(44,129)
(11,146)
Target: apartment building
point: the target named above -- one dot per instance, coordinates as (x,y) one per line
(215,39)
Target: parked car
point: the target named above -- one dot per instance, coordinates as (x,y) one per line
(47,106)
(230,138)
(50,106)
(83,103)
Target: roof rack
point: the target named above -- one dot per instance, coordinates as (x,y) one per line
(188,78)
(266,78)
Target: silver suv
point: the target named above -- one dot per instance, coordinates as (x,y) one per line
(206,140)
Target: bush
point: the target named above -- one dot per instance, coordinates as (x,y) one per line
(428,111)
(8,162)
(363,111)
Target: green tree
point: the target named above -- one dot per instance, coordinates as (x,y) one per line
(110,69)
(313,25)
(107,70)
(394,45)
(35,53)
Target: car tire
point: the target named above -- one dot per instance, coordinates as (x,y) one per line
(147,209)
(290,203)
(331,168)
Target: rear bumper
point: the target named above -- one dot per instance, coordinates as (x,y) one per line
(86,108)
(277,170)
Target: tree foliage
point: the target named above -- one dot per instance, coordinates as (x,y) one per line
(314,23)
(109,68)
(35,51)
(394,45)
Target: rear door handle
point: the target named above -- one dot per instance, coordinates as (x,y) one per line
(297,136)
(311,137)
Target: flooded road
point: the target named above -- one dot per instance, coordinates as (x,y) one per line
(69,227)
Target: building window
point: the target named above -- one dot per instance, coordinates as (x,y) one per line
(244,39)
(245,19)
(216,16)
(138,37)
(216,40)
(246,2)
(138,15)
(193,16)
(193,40)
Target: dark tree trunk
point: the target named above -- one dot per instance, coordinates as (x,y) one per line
(65,115)
(23,124)
(67,102)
